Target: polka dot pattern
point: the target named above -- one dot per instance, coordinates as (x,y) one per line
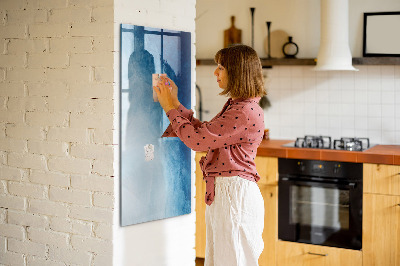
(231,139)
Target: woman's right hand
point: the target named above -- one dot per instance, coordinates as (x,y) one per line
(174,91)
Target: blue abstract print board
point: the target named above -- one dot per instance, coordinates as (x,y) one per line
(155,171)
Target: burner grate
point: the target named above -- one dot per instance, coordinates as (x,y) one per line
(351,144)
(321,142)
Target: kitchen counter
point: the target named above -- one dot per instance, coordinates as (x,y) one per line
(379,154)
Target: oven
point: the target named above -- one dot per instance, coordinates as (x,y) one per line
(320,202)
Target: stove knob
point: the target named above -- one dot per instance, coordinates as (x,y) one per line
(302,167)
(336,169)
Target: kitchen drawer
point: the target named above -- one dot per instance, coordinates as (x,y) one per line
(381,230)
(381,179)
(267,168)
(298,254)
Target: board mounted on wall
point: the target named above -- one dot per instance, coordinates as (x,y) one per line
(155,172)
(381,34)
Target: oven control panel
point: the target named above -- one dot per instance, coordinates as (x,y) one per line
(330,169)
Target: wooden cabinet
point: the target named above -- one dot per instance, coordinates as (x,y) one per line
(381,215)
(381,179)
(381,230)
(298,254)
(200,209)
(270,233)
(268,169)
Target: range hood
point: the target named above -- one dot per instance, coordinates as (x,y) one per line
(334,51)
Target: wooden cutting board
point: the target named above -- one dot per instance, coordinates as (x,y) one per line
(232,35)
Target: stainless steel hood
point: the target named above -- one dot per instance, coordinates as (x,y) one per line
(334,51)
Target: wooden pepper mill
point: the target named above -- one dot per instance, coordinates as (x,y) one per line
(232,35)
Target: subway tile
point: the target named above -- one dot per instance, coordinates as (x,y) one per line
(388,97)
(310,108)
(335,95)
(347,122)
(334,81)
(388,137)
(374,123)
(388,124)
(297,83)
(361,110)
(334,109)
(296,71)
(360,124)
(285,72)
(387,71)
(322,96)
(374,70)
(397,85)
(348,132)
(322,109)
(397,124)
(335,122)
(310,95)
(322,121)
(361,97)
(284,83)
(397,133)
(388,84)
(375,136)
(308,72)
(374,110)
(388,110)
(374,84)
(397,71)
(348,96)
(347,109)
(360,133)
(374,97)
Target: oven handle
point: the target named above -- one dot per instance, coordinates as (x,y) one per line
(297,181)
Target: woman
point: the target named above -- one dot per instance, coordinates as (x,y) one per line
(235,207)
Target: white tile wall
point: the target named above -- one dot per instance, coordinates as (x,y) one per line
(338,104)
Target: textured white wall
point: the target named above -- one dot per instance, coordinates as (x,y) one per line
(299,18)
(169,241)
(56,123)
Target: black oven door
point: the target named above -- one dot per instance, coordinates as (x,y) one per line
(321,212)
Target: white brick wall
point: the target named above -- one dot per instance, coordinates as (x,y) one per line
(166,242)
(56,127)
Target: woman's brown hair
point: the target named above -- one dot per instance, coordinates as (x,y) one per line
(245,78)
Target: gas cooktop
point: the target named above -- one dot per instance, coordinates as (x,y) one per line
(325,142)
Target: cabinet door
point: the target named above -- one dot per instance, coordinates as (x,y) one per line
(200,209)
(270,233)
(297,254)
(381,230)
(267,168)
(381,179)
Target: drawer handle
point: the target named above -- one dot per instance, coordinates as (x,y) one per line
(318,254)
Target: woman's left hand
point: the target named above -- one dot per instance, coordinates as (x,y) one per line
(163,90)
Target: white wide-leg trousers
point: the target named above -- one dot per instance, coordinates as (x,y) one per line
(234,223)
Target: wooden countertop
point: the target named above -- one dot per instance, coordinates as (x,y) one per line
(379,154)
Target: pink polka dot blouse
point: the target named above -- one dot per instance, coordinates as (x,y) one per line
(231,139)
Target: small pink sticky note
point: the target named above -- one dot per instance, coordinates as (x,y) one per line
(155,82)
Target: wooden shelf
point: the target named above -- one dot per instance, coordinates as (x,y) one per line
(312,61)
(376,61)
